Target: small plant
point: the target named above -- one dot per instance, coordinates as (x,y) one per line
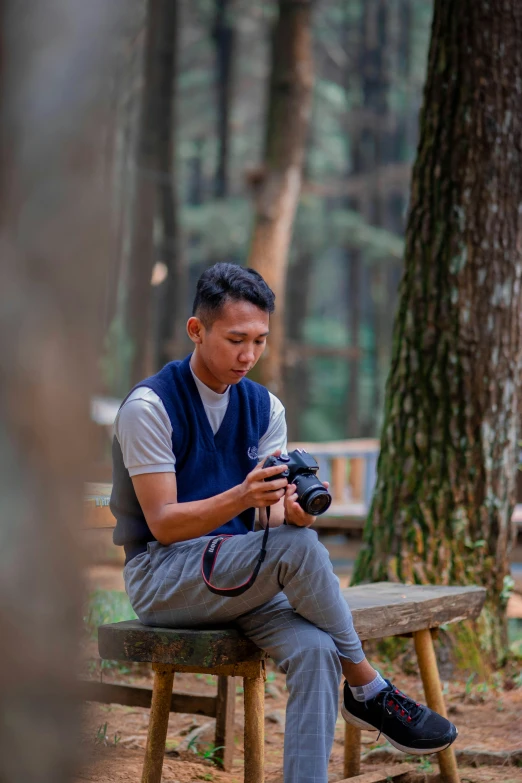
(469,684)
(208,753)
(101,734)
(425,765)
(102,738)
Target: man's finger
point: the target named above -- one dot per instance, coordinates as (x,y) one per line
(270,486)
(274,470)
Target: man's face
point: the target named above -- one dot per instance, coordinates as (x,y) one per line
(233,343)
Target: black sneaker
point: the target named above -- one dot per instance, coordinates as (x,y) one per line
(408,725)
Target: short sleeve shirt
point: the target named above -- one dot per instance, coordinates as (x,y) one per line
(144,431)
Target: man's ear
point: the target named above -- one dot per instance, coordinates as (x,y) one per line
(195,329)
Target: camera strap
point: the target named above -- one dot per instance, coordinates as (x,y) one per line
(209,558)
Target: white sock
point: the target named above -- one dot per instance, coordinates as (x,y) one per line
(370,690)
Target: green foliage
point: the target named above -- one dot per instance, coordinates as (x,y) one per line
(106,606)
(102,738)
(116,359)
(221,229)
(208,752)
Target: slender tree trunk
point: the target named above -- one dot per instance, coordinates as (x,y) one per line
(141,261)
(223,34)
(54,232)
(172,293)
(287,125)
(296,368)
(446,475)
(354,264)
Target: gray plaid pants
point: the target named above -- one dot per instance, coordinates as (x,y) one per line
(294,611)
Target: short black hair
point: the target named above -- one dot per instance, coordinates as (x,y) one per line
(227,282)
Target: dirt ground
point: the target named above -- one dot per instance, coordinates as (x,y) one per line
(488,716)
(114,736)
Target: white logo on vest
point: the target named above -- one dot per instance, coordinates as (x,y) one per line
(252,452)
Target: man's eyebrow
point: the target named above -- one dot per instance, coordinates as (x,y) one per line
(245,334)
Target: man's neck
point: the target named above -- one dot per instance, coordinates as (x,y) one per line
(203,374)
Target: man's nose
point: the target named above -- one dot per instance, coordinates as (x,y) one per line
(247,355)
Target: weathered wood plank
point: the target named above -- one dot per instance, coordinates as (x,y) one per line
(379,610)
(386,609)
(135,696)
(132,641)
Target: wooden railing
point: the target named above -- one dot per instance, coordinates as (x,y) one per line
(349,465)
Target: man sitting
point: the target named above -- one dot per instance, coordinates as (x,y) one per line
(188,451)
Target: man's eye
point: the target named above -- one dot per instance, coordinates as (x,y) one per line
(260,342)
(236,342)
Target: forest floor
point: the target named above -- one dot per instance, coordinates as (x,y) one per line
(488,714)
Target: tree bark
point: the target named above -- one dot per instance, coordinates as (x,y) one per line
(141,260)
(353,313)
(172,293)
(223,34)
(297,376)
(446,474)
(278,195)
(54,231)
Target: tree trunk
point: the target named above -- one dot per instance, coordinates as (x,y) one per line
(297,376)
(57,59)
(141,260)
(446,475)
(172,293)
(287,125)
(354,272)
(224,40)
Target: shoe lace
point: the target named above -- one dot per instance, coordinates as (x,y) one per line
(400,705)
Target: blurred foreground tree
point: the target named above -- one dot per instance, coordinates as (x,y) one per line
(278,185)
(57,59)
(446,474)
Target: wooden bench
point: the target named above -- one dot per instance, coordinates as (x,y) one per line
(379,610)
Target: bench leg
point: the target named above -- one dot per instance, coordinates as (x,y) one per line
(158,723)
(225,709)
(254,687)
(352,751)
(434,699)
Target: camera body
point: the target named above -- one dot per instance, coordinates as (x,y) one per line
(301,470)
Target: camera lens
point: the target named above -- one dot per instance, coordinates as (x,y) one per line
(312,496)
(318,502)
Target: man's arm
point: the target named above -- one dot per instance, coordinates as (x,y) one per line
(170,521)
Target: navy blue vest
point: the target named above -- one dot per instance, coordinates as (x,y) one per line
(206,464)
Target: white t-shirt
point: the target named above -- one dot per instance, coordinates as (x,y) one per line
(144,431)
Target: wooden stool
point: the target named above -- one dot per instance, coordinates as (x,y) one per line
(224,652)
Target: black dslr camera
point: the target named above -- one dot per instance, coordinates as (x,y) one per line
(301,470)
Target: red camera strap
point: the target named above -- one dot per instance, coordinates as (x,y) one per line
(209,558)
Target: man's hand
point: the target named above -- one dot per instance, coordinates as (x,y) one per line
(294,514)
(258,493)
